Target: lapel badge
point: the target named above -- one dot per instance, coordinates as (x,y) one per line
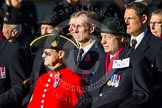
(2,72)
(57,80)
(88,58)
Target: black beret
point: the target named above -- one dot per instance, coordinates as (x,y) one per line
(114,26)
(50,18)
(12,18)
(53,41)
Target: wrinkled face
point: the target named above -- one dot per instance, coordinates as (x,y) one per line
(133,22)
(156,25)
(81,29)
(111,43)
(71,25)
(16,3)
(7,29)
(46,29)
(50,57)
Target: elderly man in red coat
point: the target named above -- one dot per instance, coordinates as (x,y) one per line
(59,87)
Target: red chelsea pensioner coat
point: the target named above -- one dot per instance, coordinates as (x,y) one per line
(59,89)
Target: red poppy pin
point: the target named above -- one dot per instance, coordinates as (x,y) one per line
(87,59)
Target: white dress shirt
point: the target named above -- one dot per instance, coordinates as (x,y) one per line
(138,39)
(87,48)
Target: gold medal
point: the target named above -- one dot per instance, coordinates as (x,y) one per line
(109,83)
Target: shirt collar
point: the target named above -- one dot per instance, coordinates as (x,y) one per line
(88,47)
(111,56)
(138,38)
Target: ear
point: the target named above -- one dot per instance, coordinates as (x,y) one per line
(14,32)
(61,54)
(7,2)
(122,39)
(144,19)
(92,28)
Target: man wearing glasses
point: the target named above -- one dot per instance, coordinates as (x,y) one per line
(47,25)
(156,23)
(59,87)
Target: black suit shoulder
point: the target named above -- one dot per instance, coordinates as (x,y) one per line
(155,40)
(12,89)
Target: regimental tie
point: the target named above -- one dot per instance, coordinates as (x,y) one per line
(133,42)
(79,56)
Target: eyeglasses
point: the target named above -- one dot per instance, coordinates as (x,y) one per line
(48,53)
(157,24)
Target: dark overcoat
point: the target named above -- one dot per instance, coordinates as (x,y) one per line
(12,74)
(127,87)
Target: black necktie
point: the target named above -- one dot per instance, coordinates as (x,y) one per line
(79,56)
(134,42)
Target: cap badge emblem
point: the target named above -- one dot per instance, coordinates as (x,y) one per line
(54,44)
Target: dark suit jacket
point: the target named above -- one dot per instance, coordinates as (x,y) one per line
(12,60)
(151,48)
(134,90)
(91,62)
